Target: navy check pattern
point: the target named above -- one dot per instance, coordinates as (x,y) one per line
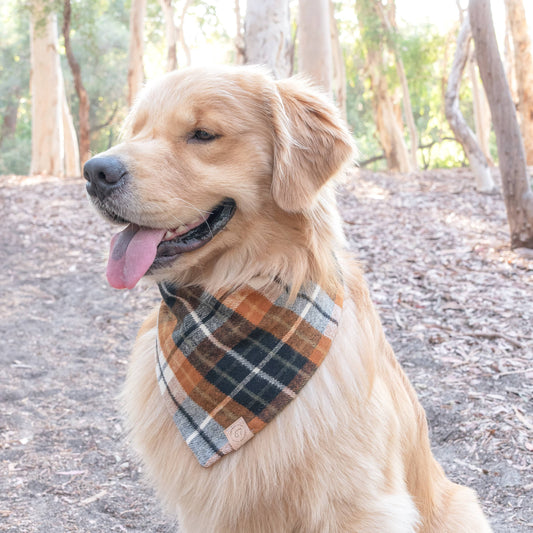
(237,359)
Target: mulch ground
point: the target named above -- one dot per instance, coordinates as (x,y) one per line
(456,303)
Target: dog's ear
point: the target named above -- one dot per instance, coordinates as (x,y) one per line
(311,144)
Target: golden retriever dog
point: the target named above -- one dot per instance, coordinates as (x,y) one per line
(225,180)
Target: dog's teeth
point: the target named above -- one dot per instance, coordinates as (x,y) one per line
(168,235)
(181,229)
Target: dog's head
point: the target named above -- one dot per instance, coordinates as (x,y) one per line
(220,177)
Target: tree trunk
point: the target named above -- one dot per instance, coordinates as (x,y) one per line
(47,155)
(524,71)
(339,67)
(389,20)
(84,103)
(508,59)
(136,50)
(267,36)
(171,34)
(515,179)
(314,42)
(389,130)
(478,161)
(181,33)
(239,37)
(72,150)
(482,118)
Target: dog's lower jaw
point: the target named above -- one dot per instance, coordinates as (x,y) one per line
(228,262)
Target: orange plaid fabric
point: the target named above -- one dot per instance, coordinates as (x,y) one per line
(228,363)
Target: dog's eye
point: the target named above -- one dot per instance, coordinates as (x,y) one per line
(202,136)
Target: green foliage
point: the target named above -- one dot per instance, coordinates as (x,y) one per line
(422,49)
(15,150)
(360,114)
(100,40)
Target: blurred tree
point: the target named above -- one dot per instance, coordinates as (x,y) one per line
(388,17)
(267,36)
(482,117)
(83,98)
(239,35)
(71,146)
(314,42)
(508,59)
(14,73)
(338,63)
(389,128)
(181,32)
(100,45)
(47,154)
(515,178)
(9,120)
(99,39)
(516,15)
(481,108)
(175,33)
(171,33)
(136,67)
(476,157)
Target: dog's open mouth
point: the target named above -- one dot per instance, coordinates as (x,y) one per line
(137,250)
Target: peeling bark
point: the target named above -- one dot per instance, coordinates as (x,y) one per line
(389,20)
(523,62)
(84,103)
(267,36)
(47,154)
(515,179)
(171,34)
(181,33)
(239,36)
(70,139)
(136,50)
(339,67)
(508,59)
(389,128)
(478,161)
(314,42)
(482,117)
(389,131)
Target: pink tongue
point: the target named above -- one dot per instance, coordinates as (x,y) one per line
(132,252)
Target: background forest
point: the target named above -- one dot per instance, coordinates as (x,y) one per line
(440,214)
(215,32)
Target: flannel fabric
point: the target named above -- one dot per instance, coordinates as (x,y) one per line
(228,363)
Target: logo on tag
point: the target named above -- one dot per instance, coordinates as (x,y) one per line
(238,433)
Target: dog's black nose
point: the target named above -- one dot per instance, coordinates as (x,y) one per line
(104,175)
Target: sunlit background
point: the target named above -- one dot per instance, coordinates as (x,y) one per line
(427,33)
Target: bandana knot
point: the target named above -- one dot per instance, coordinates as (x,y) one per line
(228,363)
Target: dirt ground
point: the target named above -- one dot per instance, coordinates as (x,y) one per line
(456,303)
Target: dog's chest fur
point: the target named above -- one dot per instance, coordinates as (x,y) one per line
(303,464)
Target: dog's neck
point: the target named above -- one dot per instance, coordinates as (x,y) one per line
(306,253)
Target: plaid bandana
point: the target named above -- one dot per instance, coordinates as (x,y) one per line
(228,363)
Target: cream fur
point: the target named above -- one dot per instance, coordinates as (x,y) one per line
(351,453)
